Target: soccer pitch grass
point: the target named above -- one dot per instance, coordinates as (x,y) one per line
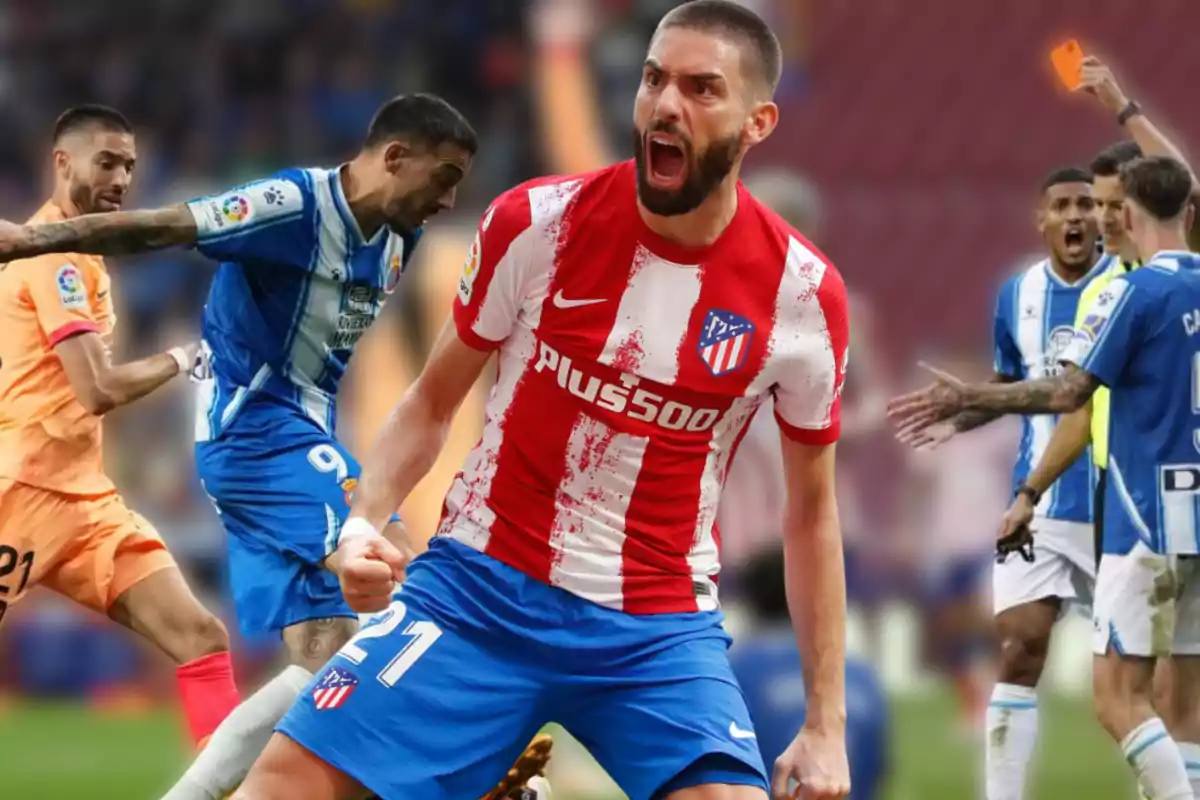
(63,752)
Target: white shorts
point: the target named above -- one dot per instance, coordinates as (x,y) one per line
(1063,566)
(1147,604)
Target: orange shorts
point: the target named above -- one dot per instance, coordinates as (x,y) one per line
(88,548)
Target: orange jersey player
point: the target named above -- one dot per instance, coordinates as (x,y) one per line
(62,523)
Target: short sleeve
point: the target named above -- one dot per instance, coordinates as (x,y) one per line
(62,292)
(808,396)
(494,276)
(1110,332)
(1006,356)
(268,220)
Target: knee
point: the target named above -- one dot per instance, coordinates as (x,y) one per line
(201,634)
(312,643)
(1022,657)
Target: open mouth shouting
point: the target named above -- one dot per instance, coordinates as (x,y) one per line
(666,161)
(1075,240)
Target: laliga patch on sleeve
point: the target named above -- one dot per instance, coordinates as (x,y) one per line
(71,290)
(247,205)
(469,271)
(1098,314)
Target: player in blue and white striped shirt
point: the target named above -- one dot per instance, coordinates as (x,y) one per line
(1141,339)
(307,259)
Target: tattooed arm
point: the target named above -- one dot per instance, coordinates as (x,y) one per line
(1062,394)
(109,234)
(965,421)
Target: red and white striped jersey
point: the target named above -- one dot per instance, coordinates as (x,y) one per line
(628,369)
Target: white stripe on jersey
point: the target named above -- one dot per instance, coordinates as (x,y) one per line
(470,518)
(1178,511)
(588,535)
(1118,482)
(547,205)
(795,322)
(704,556)
(207,396)
(587,539)
(672,291)
(317,314)
(1030,315)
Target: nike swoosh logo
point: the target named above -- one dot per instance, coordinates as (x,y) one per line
(738,733)
(562,302)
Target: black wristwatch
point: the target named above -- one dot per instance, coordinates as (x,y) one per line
(1033,494)
(1131,110)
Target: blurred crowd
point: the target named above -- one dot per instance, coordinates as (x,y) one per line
(225,90)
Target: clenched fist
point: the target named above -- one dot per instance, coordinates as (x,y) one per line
(816,762)
(368,568)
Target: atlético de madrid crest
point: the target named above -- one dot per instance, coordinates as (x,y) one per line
(724,341)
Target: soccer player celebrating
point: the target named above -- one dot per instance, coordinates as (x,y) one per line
(1138,339)
(1035,313)
(62,523)
(308,258)
(640,315)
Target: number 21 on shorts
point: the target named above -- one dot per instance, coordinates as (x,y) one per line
(422,634)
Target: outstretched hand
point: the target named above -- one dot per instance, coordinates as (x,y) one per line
(915,413)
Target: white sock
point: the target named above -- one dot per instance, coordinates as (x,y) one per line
(1191,762)
(1012,721)
(237,742)
(1156,759)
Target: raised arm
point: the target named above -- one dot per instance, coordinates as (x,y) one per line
(1099,81)
(113,233)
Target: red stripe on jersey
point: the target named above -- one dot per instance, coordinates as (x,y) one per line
(529,468)
(670,483)
(72,329)
(810,436)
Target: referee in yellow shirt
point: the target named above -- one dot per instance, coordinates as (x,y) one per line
(1110,199)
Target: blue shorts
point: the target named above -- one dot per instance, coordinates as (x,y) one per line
(282,488)
(439,694)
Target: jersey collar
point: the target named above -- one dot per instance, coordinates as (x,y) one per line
(343,207)
(1185,258)
(1101,265)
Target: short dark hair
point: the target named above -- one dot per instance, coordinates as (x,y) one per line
(1066,175)
(90,115)
(737,21)
(763,585)
(421,118)
(1159,184)
(1108,162)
